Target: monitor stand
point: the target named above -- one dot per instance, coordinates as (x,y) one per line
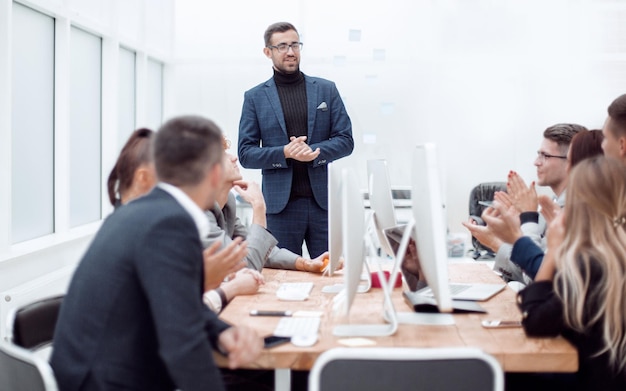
(373,330)
(336,288)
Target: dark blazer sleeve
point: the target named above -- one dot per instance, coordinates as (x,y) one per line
(527,255)
(260,123)
(542,310)
(172,276)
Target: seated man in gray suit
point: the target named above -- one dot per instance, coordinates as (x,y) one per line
(133,317)
(262,250)
(225,225)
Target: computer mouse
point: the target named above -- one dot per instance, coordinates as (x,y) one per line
(304,340)
(287,295)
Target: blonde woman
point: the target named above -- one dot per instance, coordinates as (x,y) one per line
(579,291)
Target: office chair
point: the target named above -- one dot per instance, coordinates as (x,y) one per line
(32,326)
(22,370)
(399,369)
(482,192)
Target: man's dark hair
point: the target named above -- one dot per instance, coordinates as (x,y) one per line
(279,27)
(562,134)
(186,148)
(617,112)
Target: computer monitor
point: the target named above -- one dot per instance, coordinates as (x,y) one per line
(335,241)
(353,229)
(381,201)
(336,249)
(430,228)
(354,249)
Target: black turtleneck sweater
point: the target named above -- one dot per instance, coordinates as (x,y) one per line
(292,94)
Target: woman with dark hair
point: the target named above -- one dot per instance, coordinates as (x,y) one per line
(133,174)
(585,144)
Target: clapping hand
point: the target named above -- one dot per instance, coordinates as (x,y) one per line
(503,218)
(523,197)
(220,263)
(549,208)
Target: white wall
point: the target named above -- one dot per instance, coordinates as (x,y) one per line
(142,26)
(481,78)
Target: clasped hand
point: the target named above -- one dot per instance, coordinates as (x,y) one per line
(299,150)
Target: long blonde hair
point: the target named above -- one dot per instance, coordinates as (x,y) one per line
(595,239)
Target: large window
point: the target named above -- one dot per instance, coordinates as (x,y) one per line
(85,127)
(155,93)
(126,91)
(32,133)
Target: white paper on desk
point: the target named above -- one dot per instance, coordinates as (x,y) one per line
(308,314)
(356,342)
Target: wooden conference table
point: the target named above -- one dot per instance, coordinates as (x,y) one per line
(510,346)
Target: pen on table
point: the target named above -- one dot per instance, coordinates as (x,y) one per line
(270,313)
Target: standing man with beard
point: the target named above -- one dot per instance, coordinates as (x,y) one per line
(291,127)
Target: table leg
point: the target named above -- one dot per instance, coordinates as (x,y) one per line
(282,379)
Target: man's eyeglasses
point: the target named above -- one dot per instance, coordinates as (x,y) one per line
(542,156)
(284,47)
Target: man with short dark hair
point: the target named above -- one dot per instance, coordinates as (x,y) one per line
(614,130)
(291,127)
(133,316)
(552,170)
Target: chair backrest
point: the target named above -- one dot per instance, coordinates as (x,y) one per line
(482,192)
(22,370)
(32,326)
(401,369)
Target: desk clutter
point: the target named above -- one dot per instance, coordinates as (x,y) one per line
(267,314)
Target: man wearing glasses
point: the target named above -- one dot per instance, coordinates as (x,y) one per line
(552,170)
(291,127)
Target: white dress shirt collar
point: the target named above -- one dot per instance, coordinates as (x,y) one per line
(197,214)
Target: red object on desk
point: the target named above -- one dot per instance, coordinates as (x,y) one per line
(376,281)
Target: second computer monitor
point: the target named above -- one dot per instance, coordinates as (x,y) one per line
(381,201)
(430,228)
(353,228)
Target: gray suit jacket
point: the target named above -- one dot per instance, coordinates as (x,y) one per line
(262,250)
(133,316)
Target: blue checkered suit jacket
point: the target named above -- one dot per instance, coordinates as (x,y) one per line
(262,136)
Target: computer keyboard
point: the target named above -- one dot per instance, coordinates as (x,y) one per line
(454,289)
(303,288)
(289,326)
(458,288)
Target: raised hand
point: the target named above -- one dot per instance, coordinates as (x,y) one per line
(523,197)
(555,237)
(249,191)
(483,233)
(549,208)
(220,263)
(503,220)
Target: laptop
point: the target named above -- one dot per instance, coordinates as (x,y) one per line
(458,291)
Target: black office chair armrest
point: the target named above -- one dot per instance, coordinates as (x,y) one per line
(477,219)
